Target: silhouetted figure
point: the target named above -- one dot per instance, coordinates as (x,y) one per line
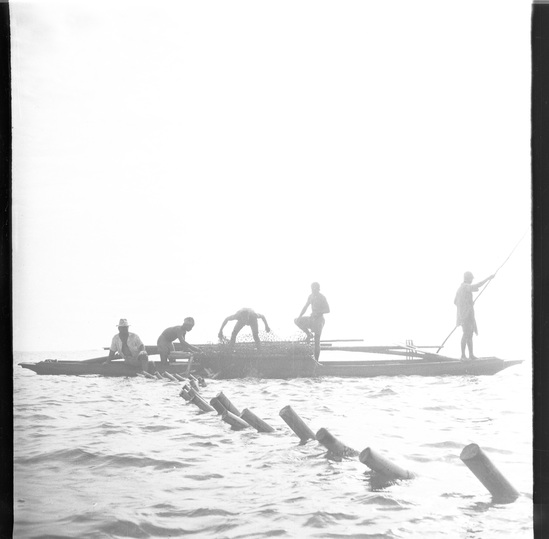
(466,312)
(244,317)
(314,323)
(165,341)
(128,346)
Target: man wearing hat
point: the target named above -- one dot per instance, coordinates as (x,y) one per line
(128,346)
(165,341)
(466,312)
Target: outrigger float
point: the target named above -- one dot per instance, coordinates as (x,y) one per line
(285,359)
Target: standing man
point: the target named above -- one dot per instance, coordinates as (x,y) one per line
(466,312)
(315,322)
(165,341)
(128,346)
(244,317)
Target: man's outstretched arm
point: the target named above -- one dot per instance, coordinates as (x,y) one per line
(305,308)
(267,328)
(187,346)
(112,350)
(228,319)
(478,285)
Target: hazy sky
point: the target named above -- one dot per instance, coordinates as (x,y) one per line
(177,159)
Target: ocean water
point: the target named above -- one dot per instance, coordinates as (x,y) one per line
(126,457)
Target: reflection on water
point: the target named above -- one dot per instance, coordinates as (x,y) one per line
(108,457)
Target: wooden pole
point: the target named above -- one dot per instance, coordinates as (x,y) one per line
(158,375)
(199,401)
(179,377)
(256,422)
(333,445)
(297,424)
(342,340)
(170,376)
(227,403)
(381,465)
(478,462)
(234,421)
(216,403)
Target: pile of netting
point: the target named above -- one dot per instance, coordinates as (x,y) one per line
(265,349)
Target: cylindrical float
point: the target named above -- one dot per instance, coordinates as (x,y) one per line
(378,463)
(256,422)
(184,393)
(216,403)
(333,445)
(199,401)
(227,403)
(199,380)
(297,424)
(234,421)
(170,376)
(194,385)
(477,461)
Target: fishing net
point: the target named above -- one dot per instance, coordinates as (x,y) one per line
(266,349)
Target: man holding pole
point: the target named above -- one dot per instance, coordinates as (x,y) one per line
(466,312)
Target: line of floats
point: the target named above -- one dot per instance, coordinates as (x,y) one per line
(472,455)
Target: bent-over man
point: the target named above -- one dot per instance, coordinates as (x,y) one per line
(165,341)
(128,346)
(314,323)
(466,312)
(244,317)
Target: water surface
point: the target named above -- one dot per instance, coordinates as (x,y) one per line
(126,457)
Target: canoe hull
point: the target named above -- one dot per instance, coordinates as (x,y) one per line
(281,360)
(414,367)
(80,368)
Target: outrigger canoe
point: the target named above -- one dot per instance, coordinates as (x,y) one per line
(286,360)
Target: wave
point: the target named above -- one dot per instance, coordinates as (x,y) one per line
(321,519)
(80,456)
(384,392)
(127,528)
(155,428)
(197,513)
(204,477)
(388,535)
(445,445)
